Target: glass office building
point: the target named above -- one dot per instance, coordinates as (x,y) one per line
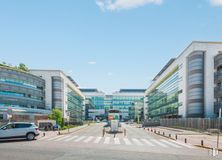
(24,93)
(163,99)
(62,92)
(124,99)
(188,86)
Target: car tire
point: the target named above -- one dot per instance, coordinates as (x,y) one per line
(30,136)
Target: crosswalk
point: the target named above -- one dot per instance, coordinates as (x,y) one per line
(151,142)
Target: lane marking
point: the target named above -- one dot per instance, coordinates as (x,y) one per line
(159,143)
(116,141)
(137,142)
(107,140)
(127,141)
(59,139)
(53,138)
(69,139)
(97,140)
(43,138)
(147,142)
(88,139)
(80,138)
(171,144)
(182,144)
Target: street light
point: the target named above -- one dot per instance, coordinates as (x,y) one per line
(68,114)
(218,134)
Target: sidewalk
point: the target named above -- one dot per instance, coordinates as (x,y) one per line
(71,130)
(192,137)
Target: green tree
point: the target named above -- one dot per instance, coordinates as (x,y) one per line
(57,116)
(23,67)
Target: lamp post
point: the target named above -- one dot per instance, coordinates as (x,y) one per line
(68,115)
(218,135)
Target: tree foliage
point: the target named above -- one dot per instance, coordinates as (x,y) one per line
(57,116)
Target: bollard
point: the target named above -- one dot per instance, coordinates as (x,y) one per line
(114,135)
(59,133)
(154,131)
(185,140)
(103,132)
(144,128)
(148,129)
(176,136)
(43,134)
(163,134)
(158,132)
(124,132)
(170,135)
(151,130)
(202,143)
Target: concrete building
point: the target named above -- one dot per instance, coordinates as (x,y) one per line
(62,92)
(23,93)
(124,99)
(189,85)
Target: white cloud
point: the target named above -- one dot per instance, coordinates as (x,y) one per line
(113,5)
(216,2)
(110,74)
(92,62)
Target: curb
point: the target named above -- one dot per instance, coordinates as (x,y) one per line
(74,130)
(158,133)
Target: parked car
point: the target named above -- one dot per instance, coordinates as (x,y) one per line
(19,130)
(56,127)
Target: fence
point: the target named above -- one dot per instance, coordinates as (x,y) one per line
(203,124)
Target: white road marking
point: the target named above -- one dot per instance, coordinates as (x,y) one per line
(69,139)
(147,142)
(80,138)
(137,142)
(42,138)
(97,140)
(88,139)
(159,143)
(59,139)
(182,144)
(127,141)
(171,144)
(107,140)
(116,141)
(53,138)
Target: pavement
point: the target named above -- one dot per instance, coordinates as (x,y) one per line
(89,143)
(192,137)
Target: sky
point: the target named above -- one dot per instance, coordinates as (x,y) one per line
(105,44)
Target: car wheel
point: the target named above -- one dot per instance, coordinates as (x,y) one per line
(30,136)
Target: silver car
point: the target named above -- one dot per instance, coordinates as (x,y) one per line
(19,130)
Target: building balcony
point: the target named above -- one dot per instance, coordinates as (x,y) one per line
(218,91)
(217,77)
(217,106)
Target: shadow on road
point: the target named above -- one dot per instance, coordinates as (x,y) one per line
(14,140)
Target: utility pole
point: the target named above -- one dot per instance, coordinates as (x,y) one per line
(218,135)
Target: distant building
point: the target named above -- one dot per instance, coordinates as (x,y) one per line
(189,86)
(89,106)
(136,112)
(124,99)
(62,92)
(23,93)
(97,97)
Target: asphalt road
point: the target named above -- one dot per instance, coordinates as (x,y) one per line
(89,144)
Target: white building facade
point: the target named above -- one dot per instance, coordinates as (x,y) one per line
(188,86)
(63,93)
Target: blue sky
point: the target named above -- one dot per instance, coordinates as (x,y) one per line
(101,43)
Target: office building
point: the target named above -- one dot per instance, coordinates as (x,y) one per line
(62,92)
(124,99)
(97,97)
(188,86)
(22,93)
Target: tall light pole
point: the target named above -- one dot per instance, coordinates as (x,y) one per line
(218,135)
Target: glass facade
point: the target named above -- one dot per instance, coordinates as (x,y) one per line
(75,106)
(21,90)
(163,100)
(124,100)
